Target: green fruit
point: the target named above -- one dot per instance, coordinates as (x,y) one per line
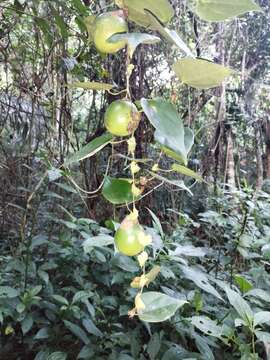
(105,26)
(122,118)
(127,237)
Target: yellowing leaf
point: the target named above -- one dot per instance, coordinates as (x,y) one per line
(186,171)
(147,278)
(201,74)
(139,303)
(142,258)
(87,85)
(134,167)
(220,10)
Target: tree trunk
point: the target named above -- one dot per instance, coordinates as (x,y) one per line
(230,165)
(267,155)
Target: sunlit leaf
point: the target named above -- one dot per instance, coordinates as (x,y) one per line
(158,307)
(201,74)
(186,171)
(220,10)
(244,284)
(207,326)
(87,85)
(240,305)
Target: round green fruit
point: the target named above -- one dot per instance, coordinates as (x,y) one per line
(127,237)
(122,118)
(105,26)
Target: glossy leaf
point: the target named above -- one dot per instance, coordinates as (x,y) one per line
(244,284)
(134,39)
(8,292)
(261,317)
(200,279)
(207,326)
(170,131)
(117,191)
(158,307)
(97,241)
(220,10)
(91,85)
(240,305)
(201,74)
(186,171)
(162,9)
(77,331)
(57,355)
(259,294)
(90,149)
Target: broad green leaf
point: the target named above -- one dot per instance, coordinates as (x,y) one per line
(117,191)
(82,296)
(263,336)
(207,326)
(240,305)
(91,85)
(200,279)
(60,299)
(57,355)
(153,346)
(170,35)
(90,149)
(156,223)
(260,294)
(27,323)
(158,307)
(186,171)
(201,74)
(42,334)
(178,183)
(203,347)
(187,250)
(91,328)
(125,263)
(77,331)
(220,10)
(97,241)
(170,131)
(133,40)
(261,317)
(244,284)
(8,292)
(162,9)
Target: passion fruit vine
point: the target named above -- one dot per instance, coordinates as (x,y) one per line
(105,26)
(122,118)
(129,238)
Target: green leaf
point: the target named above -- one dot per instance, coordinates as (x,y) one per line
(8,292)
(220,10)
(178,183)
(59,20)
(91,85)
(244,285)
(91,328)
(27,323)
(240,305)
(77,331)
(42,334)
(260,294)
(153,346)
(57,355)
(80,7)
(162,9)
(125,263)
(60,299)
(261,317)
(46,30)
(158,307)
(117,191)
(82,296)
(207,326)
(186,171)
(170,131)
(170,35)
(90,149)
(201,74)
(97,241)
(133,40)
(200,279)
(263,336)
